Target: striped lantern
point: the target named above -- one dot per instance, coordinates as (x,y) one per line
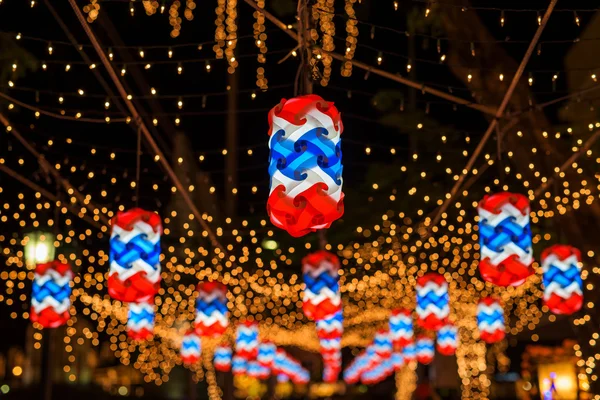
(410,353)
(266,355)
(222,358)
(563,286)
(505,239)
(490,320)
(382,344)
(433,306)
(246,343)
(258,371)
(322,298)
(447,340)
(140,321)
(398,361)
(212,315)
(378,373)
(425,350)
(401,328)
(134,275)
(286,365)
(191,348)
(239,365)
(330,332)
(51,294)
(305,165)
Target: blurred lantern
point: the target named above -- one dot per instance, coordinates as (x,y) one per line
(432,301)
(190,348)
(322,297)
(410,353)
(266,355)
(239,366)
(563,287)
(305,165)
(397,360)
(378,372)
(447,340)
(134,256)
(51,294)
(331,327)
(401,328)
(287,365)
(39,248)
(212,315)
(140,321)
(246,343)
(382,344)
(490,320)
(222,358)
(505,239)
(330,332)
(425,350)
(258,371)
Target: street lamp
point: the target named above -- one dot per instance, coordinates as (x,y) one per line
(39,248)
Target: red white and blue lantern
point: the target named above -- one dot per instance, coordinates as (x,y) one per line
(258,371)
(505,239)
(322,297)
(401,328)
(212,315)
(246,343)
(330,332)
(239,365)
(447,340)
(382,344)
(222,358)
(140,321)
(286,365)
(397,360)
(305,165)
(266,355)
(191,348)
(134,275)
(51,294)
(410,353)
(378,373)
(563,287)
(433,307)
(425,350)
(490,320)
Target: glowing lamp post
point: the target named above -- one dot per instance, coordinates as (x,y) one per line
(39,248)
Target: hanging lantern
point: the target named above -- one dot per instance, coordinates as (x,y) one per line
(222,358)
(330,332)
(410,352)
(490,320)
(305,165)
(505,239)
(287,365)
(398,360)
(401,328)
(134,275)
(563,287)
(432,301)
(425,350)
(266,354)
(190,348)
(322,297)
(246,343)
(255,370)
(51,294)
(140,321)
(212,315)
(39,248)
(239,366)
(382,344)
(447,340)
(377,373)
(332,327)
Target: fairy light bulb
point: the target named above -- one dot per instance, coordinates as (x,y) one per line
(502,19)
(180,103)
(395,6)
(50,49)
(379,58)
(539,18)
(179,69)
(170,53)
(141,53)
(576,17)
(408,66)
(110,54)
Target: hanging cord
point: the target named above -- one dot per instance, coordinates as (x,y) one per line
(499,147)
(138,155)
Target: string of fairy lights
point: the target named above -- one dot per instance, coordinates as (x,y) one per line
(381,263)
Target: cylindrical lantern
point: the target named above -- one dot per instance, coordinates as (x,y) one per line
(305,165)
(322,297)
(410,352)
(433,306)
(563,287)
(134,275)
(332,327)
(425,350)
(212,315)
(505,239)
(140,321)
(401,328)
(447,340)
(39,248)
(239,366)
(382,344)
(246,343)
(51,294)
(397,360)
(287,365)
(266,354)
(490,320)
(222,359)
(256,370)
(330,332)
(191,348)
